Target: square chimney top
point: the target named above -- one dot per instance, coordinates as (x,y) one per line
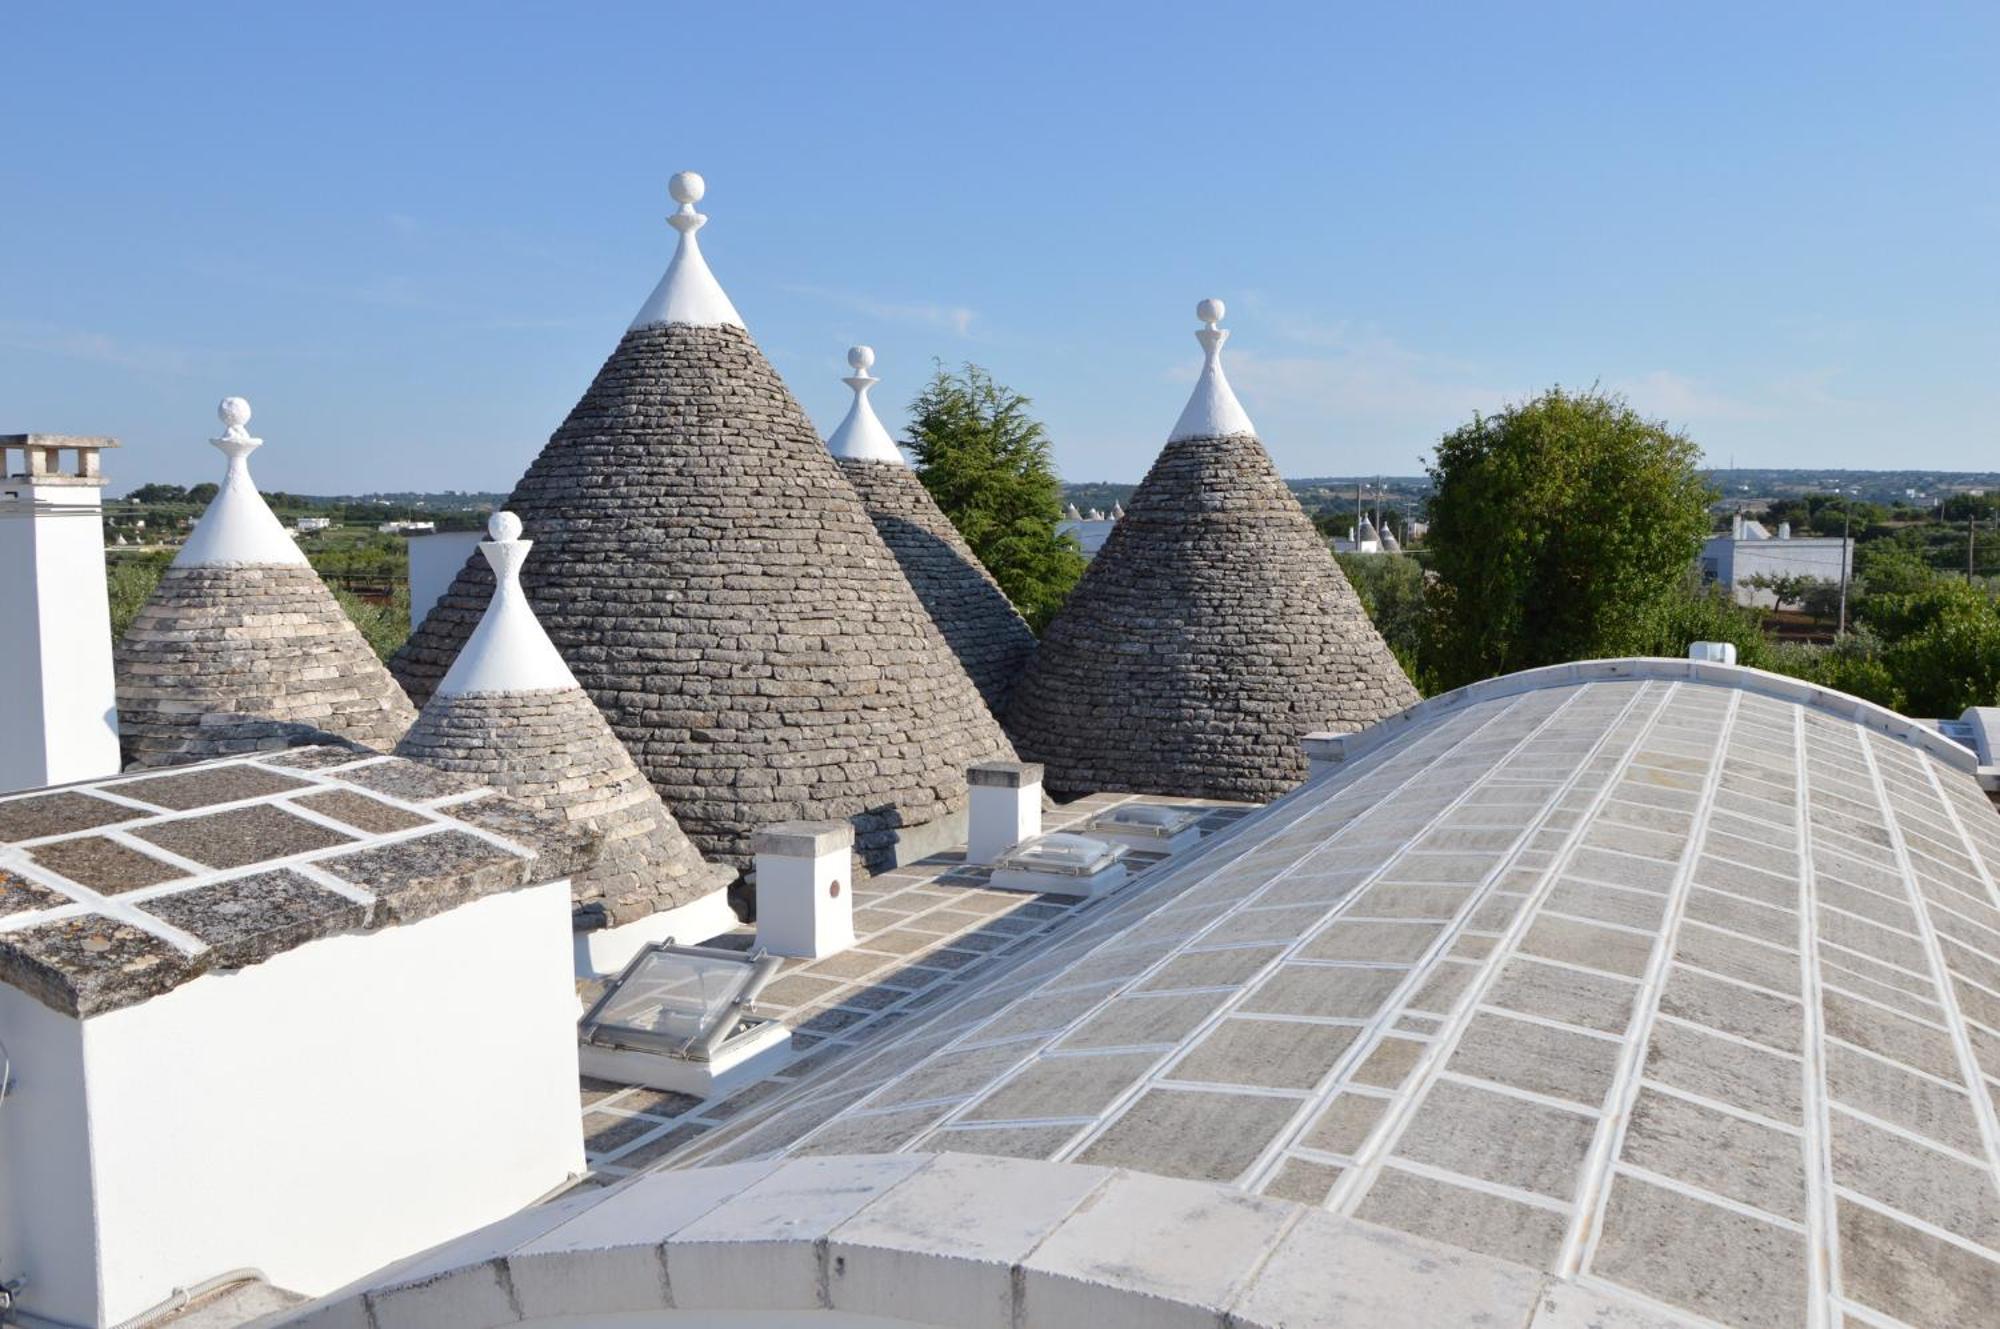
(41,458)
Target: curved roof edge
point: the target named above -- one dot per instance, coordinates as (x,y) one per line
(1841,705)
(1057,1244)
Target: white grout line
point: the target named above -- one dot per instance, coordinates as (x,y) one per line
(1607,1145)
(1968,1060)
(1614,746)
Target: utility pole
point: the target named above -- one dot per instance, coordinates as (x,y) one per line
(1970,519)
(1846,547)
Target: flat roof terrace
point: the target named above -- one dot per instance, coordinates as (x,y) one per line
(923,932)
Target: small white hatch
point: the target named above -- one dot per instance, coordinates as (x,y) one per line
(681,1018)
(1061,863)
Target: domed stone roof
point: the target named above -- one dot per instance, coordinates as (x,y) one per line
(241,646)
(717,588)
(1211,632)
(978,622)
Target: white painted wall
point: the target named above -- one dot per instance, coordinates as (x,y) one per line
(1733,562)
(603,952)
(434,561)
(316,1116)
(45,1179)
(58,705)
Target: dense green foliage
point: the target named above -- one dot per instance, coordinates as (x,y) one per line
(1560,530)
(986,461)
(1391,587)
(384,623)
(131,578)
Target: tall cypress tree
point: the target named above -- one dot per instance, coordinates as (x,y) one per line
(986,462)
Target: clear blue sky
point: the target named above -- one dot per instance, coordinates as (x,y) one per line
(409,234)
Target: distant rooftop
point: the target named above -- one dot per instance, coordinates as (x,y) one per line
(120,889)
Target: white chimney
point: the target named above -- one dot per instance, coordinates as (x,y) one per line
(1005,807)
(1712,652)
(1325,751)
(805,887)
(1784,530)
(59,709)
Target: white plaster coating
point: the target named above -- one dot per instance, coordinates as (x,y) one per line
(861,436)
(923,1253)
(973,1242)
(760,1251)
(509,651)
(1213,411)
(59,708)
(603,952)
(238,529)
(435,560)
(178,1166)
(998,818)
(1149,1253)
(1331,1270)
(689,292)
(805,905)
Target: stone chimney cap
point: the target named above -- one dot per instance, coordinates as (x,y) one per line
(1005,774)
(861,436)
(803,839)
(689,292)
(1213,411)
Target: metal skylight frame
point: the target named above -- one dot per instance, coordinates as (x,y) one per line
(716,1013)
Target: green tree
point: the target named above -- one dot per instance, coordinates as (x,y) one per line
(986,461)
(384,625)
(1786,588)
(1559,530)
(1941,645)
(1391,589)
(130,582)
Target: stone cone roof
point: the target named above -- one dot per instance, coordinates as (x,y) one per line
(511,714)
(242,647)
(552,750)
(976,618)
(716,587)
(1210,634)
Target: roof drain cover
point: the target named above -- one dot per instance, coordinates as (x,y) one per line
(679,1018)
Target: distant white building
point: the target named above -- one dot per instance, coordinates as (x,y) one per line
(1750,549)
(407,527)
(307,525)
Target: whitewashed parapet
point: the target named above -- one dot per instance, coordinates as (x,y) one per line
(1055,1244)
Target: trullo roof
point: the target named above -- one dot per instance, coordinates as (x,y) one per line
(974,615)
(718,590)
(1211,632)
(510,714)
(241,646)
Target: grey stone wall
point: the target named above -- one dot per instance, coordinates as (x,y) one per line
(715,585)
(1210,634)
(227,660)
(552,750)
(974,615)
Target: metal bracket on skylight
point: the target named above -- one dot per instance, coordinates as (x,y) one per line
(680,1018)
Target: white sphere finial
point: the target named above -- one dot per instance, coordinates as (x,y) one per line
(234,412)
(1209,311)
(687,188)
(503,526)
(861,358)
